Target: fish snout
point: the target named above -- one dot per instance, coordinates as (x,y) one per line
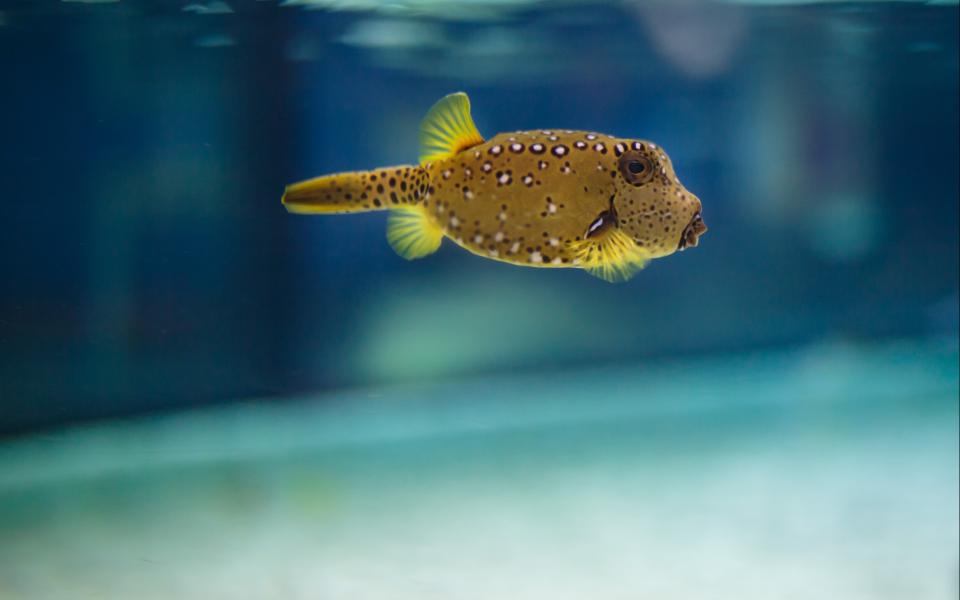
(692,232)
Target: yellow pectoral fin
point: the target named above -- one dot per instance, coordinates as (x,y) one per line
(611,255)
(448,129)
(411,233)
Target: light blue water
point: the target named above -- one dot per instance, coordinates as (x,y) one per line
(793,474)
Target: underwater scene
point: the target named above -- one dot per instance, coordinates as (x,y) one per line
(479,299)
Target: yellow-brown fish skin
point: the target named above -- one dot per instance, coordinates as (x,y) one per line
(565,198)
(530,197)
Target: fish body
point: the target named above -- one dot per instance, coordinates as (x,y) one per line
(541,198)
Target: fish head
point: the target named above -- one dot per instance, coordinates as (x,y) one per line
(651,204)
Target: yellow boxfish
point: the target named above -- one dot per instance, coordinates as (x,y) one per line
(545,198)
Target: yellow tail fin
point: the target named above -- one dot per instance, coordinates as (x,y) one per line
(358,191)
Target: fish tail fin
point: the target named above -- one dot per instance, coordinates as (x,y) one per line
(357,191)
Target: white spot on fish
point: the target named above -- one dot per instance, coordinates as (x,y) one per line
(498,237)
(478,239)
(514,248)
(536,257)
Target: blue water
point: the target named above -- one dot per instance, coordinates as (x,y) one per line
(203,396)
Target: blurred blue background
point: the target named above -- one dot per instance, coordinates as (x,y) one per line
(148,269)
(148,265)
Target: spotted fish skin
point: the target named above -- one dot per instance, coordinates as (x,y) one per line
(358,191)
(529,197)
(540,198)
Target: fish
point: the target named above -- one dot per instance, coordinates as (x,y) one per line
(539,198)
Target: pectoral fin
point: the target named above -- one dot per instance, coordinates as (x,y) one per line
(609,253)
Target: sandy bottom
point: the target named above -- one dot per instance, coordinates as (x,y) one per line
(827,472)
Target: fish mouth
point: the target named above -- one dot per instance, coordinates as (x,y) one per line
(692,232)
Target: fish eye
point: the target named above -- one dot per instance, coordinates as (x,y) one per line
(636,169)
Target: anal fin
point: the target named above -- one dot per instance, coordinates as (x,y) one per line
(411,233)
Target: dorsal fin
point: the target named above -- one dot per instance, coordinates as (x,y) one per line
(607,252)
(448,128)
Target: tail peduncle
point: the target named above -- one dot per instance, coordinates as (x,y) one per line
(357,191)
